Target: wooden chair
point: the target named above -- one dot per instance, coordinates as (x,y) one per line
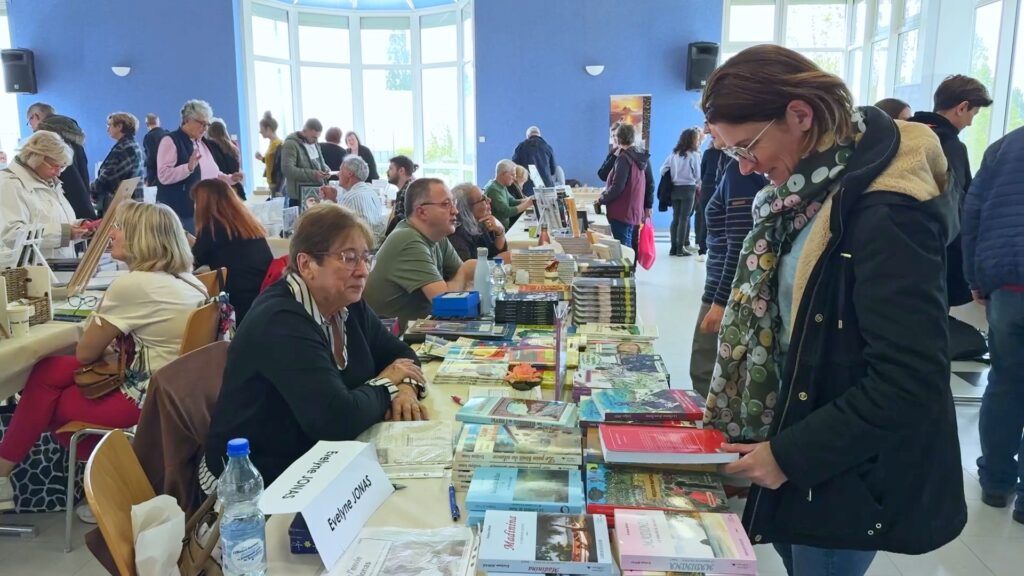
(201,328)
(214,280)
(114,482)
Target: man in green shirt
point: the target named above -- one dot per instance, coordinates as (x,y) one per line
(416,261)
(504,206)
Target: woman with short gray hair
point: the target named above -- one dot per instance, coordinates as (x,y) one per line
(183,159)
(506,208)
(31,195)
(477,227)
(124,160)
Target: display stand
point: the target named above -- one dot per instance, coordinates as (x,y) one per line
(87,267)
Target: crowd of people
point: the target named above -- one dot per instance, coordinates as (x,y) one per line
(836,240)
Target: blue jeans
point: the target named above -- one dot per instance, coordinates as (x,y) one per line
(622,231)
(810,561)
(1002,407)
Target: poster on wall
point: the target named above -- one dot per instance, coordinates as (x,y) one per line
(632,109)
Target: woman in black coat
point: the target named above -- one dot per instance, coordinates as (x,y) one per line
(356,147)
(225,153)
(833,378)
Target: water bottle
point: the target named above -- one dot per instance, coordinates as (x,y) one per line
(482,282)
(497,279)
(243,536)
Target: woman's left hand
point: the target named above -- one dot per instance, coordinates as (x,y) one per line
(492,225)
(756,463)
(406,406)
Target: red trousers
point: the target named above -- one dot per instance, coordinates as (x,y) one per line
(51,400)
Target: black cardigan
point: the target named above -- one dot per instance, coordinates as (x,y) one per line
(226,163)
(283,391)
(247,261)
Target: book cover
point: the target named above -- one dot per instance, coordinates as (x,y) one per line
(545,543)
(648,405)
(610,487)
(601,345)
(662,444)
(534,489)
(627,332)
(533,355)
(409,552)
(487,444)
(518,412)
(618,377)
(411,443)
(470,372)
(696,542)
(492,353)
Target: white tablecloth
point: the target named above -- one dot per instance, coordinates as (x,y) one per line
(19,355)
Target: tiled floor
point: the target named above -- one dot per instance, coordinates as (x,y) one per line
(992,544)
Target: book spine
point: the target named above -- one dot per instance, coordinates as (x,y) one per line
(537,567)
(554,507)
(541,460)
(650,417)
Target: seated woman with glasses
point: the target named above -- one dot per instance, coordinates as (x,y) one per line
(477,227)
(229,236)
(143,312)
(330,371)
(31,195)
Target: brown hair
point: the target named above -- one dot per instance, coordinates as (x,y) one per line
(418,193)
(625,134)
(689,141)
(128,123)
(758,84)
(268,121)
(959,88)
(354,135)
(892,106)
(218,132)
(333,135)
(319,228)
(218,207)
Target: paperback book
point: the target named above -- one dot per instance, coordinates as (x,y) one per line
(390,551)
(452,329)
(530,413)
(648,405)
(489,444)
(697,542)
(628,444)
(622,332)
(504,391)
(532,489)
(610,486)
(399,444)
(467,372)
(535,542)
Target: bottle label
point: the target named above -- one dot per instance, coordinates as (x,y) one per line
(245,545)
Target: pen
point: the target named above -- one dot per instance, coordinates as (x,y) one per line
(451,502)
(457,400)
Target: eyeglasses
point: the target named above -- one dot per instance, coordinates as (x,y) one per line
(746,152)
(447,204)
(481,200)
(350,258)
(54,164)
(202,123)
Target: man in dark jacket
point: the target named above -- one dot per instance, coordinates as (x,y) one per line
(150,144)
(957,100)
(534,150)
(75,179)
(993,243)
(712,164)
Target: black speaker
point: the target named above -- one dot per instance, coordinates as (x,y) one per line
(19,71)
(701,59)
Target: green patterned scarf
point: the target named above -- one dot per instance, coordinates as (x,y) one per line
(745,384)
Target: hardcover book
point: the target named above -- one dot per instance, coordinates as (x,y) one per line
(488,444)
(610,487)
(649,405)
(662,444)
(533,489)
(518,412)
(696,542)
(545,543)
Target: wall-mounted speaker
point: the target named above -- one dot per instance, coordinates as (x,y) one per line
(19,71)
(701,60)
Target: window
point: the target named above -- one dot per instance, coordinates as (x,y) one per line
(860,19)
(10,120)
(984,59)
(403,81)
(911,9)
(1015,107)
(876,77)
(856,73)
(816,25)
(907,59)
(883,16)
(751,22)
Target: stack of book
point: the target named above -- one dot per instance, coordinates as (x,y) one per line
(534,542)
(593,267)
(611,487)
(468,372)
(701,542)
(501,446)
(604,300)
(578,246)
(612,370)
(619,332)
(534,308)
(534,260)
(621,405)
(530,489)
(418,330)
(567,268)
(517,412)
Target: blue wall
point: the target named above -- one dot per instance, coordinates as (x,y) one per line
(177,50)
(530,58)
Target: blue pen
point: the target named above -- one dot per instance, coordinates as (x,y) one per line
(451,502)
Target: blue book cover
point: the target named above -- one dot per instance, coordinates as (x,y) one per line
(589,414)
(526,489)
(475,518)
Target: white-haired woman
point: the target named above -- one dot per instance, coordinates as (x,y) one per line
(144,310)
(31,195)
(504,206)
(183,159)
(124,160)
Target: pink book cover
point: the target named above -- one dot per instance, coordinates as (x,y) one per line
(645,444)
(683,542)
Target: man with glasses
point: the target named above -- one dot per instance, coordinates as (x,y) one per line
(417,262)
(183,158)
(74,180)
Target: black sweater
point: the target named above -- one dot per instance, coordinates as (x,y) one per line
(247,261)
(283,391)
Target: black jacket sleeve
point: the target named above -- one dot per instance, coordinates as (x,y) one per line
(367,157)
(648,187)
(202,249)
(305,375)
(386,346)
(606,166)
(898,295)
(77,193)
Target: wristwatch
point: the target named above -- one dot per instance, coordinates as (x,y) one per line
(386,383)
(421,390)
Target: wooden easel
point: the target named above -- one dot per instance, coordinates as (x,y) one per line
(91,259)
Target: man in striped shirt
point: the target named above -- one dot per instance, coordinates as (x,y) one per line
(359,196)
(729,219)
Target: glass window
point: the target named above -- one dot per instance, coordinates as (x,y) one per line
(269,32)
(876,77)
(327,96)
(385,40)
(984,57)
(907,59)
(860,20)
(1015,111)
(387,111)
(856,73)
(323,38)
(468,43)
(751,23)
(440,114)
(883,18)
(469,122)
(815,25)
(828,61)
(911,9)
(438,38)
(273,86)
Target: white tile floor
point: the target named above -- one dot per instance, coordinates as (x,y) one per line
(992,544)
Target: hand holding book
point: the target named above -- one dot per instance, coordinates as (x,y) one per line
(757,464)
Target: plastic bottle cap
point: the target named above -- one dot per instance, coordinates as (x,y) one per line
(238,447)
(498,261)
